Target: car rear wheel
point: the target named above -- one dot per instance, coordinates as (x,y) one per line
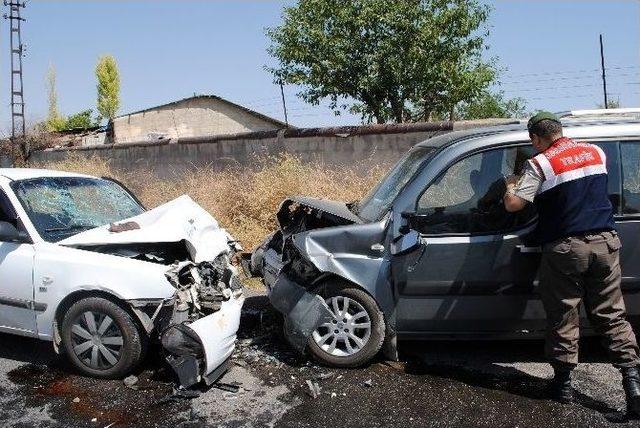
(101,339)
(355,333)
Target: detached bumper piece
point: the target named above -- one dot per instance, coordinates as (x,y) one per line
(200,350)
(303,311)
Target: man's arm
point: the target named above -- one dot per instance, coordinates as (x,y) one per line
(522,189)
(513,202)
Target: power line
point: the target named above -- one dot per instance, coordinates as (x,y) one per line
(557,73)
(552,88)
(557,79)
(575,96)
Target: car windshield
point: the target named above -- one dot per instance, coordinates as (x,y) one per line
(373,206)
(60,207)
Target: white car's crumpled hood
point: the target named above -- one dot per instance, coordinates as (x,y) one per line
(177,220)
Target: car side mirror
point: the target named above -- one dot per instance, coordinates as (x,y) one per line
(9,233)
(405,225)
(406,243)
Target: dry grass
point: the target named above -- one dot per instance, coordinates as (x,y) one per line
(243,200)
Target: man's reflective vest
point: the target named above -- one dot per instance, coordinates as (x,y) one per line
(573,198)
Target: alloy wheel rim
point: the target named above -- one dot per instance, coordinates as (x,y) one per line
(348,331)
(97,340)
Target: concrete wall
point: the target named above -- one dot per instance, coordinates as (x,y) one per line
(192,117)
(92,138)
(5,161)
(358,147)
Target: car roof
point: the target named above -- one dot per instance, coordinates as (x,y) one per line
(27,173)
(520,126)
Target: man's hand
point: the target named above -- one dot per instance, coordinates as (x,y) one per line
(511,180)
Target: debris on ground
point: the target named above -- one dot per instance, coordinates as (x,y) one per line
(76,400)
(131,381)
(368,383)
(314,389)
(227,387)
(180,394)
(229,396)
(323,376)
(397,365)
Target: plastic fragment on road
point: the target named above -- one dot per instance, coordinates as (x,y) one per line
(314,389)
(130,381)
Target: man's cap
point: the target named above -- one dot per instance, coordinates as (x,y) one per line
(540,116)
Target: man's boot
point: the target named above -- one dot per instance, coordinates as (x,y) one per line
(631,384)
(559,388)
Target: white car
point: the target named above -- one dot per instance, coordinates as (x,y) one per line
(84,265)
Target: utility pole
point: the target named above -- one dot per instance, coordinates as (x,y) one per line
(284,104)
(17,51)
(604,74)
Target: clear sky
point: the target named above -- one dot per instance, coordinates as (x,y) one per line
(167,50)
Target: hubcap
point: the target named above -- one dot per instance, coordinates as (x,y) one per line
(96,340)
(349,330)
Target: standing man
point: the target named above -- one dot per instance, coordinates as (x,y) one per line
(567,182)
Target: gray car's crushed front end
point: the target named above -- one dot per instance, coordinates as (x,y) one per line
(317,239)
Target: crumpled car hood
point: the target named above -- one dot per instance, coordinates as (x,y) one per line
(178,220)
(336,208)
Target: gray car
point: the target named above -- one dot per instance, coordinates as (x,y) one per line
(431,252)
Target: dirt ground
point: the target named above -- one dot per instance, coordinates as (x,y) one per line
(439,384)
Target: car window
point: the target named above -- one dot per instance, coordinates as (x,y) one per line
(376,203)
(7,213)
(630,152)
(613,171)
(467,197)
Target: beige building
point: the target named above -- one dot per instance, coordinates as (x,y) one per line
(197,116)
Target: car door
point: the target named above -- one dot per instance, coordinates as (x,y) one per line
(17,314)
(475,268)
(628,225)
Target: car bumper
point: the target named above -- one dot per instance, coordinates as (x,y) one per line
(217,333)
(200,350)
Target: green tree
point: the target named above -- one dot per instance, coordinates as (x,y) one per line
(492,105)
(108,86)
(54,121)
(80,120)
(388,60)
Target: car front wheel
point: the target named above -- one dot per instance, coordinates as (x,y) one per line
(356,331)
(101,339)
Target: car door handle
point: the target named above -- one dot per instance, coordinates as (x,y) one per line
(524,249)
(377,247)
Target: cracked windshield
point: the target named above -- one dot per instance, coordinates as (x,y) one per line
(60,207)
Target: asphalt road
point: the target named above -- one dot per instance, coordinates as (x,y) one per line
(439,384)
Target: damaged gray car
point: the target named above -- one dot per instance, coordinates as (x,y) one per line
(431,252)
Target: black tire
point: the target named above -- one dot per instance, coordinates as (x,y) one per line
(342,289)
(133,341)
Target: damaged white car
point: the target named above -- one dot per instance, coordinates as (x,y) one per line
(84,265)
